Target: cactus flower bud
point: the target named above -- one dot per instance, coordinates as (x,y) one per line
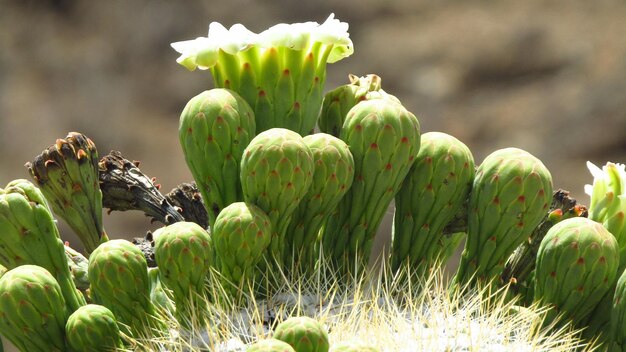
(280,72)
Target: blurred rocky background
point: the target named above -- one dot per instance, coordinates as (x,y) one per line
(547,77)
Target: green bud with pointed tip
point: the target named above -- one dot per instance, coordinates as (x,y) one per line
(79,265)
(349,346)
(158,294)
(32,310)
(332,178)
(93,328)
(67,174)
(270,345)
(304,334)
(576,265)
(510,195)
(431,194)
(276,173)
(215,127)
(384,139)
(340,100)
(241,234)
(118,273)
(184,254)
(30,236)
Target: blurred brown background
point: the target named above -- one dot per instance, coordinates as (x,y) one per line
(548,77)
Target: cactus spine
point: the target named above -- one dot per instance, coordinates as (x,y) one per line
(431,194)
(215,127)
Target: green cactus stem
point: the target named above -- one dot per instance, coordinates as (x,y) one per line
(332,178)
(215,128)
(30,236)
(576,265)
(510,195)
(276,173)
(304,334)
(432,193)
(340,100)
(279,72)
(32,310)
(384,139)
(184,255)
(67,174)
(93,328)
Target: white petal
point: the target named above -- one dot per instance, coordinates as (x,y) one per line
(595,171)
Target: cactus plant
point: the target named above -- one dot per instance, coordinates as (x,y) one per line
(431,194)
(30,236)
(340,100)
(576,265)
(93,328)
(215,127)
(270,345)
(67,173)
(384,139)
(241,234)
(184,254)
(32,310)
(118,273)
(276,173)
(279,72)
(509,197)
(332,178)
(304,334)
